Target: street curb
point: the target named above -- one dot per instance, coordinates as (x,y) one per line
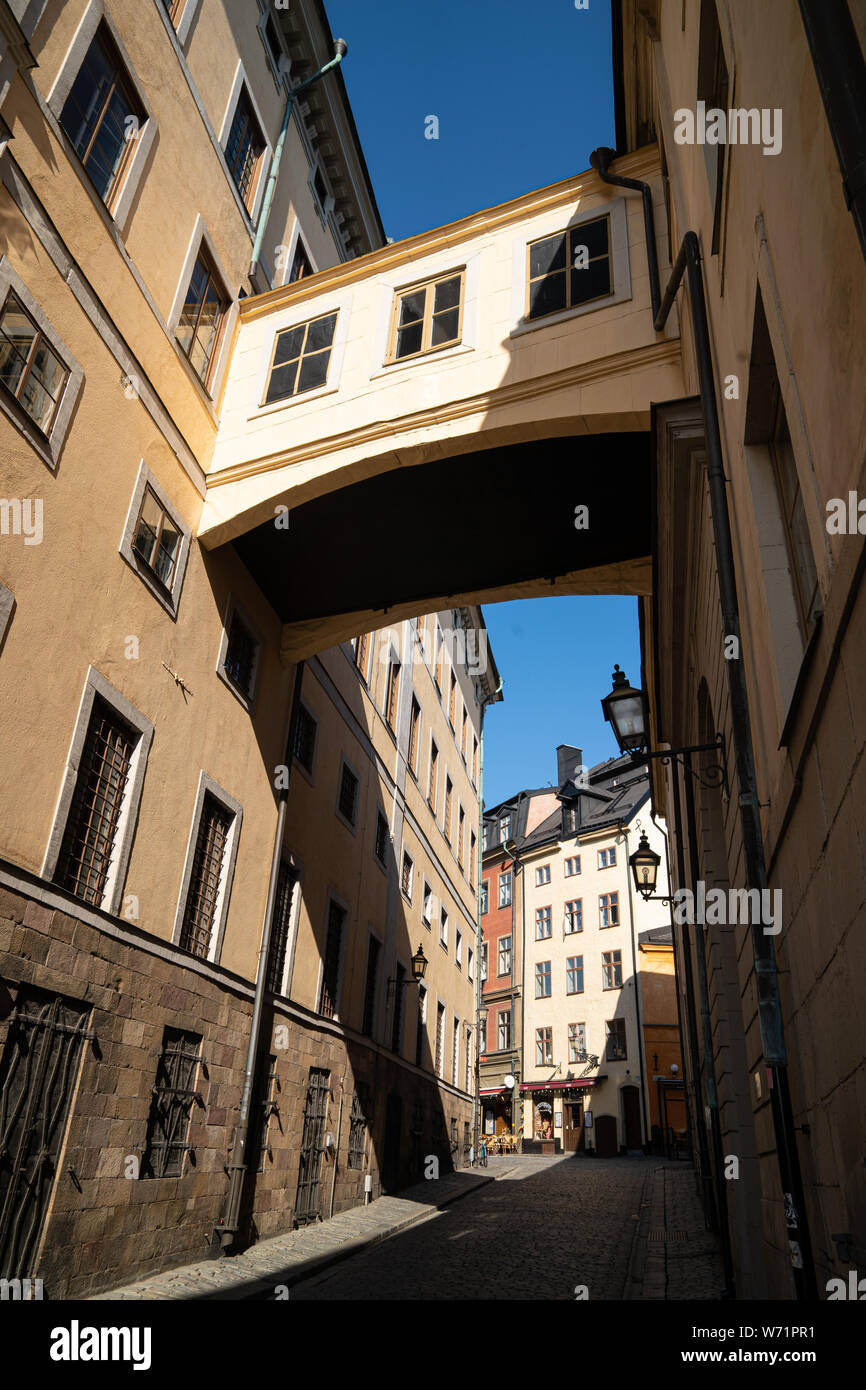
(633,1290)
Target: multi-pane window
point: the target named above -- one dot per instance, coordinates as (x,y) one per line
(414,736)
(397,1021)
(505,889)
(301,359)
(156,539)
(485,836)
(358,1123)
(504,828)
(542,979)
(542,875)
(171,1104)
(361,650)
(473,850)
(446,817)
(245,149)
(543,923)
(607,857)
(102,115)
(406,875)
(89,840)
(463,725)
(427,904)
(286,880)
(461,834)
(458,949)
(202,899)
(485,896)
(544,1047)
(427,317)
(713,86)
(503,1030)
(381,845)
(331,962)
(615,1049)
(371,985)
(608,910)
(305,738)
(577,1042)
(392,696)
(801,560)
(440,1039)
(242,653)
(572,866)
(573,916)
(503,959)
(348,799)
(29,367)
(302,266)
(434,768)
(571,268)
(574,975)
(611,969)
(443,927)
(452,702)
(202,318)
(483,964)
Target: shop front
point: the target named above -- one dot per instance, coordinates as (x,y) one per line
(558,1116)
(497,1112)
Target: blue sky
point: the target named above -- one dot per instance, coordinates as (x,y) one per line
(523,93)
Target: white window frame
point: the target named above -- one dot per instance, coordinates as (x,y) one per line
(404,856)
(241,80)
(280,72)
(233,606)
(168,598)
(294,916)
(458,948)
(428,902)
(540,880)
(84,35)
(201,238)
(185,19)
(443,926)
(235,810)
(96,684)
(561,221)
(48,446)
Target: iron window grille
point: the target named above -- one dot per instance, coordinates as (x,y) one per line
(358,1126)
(241,655)
(348,802)
(574,975)
(89,840)
(569,269)
(267,1107)
(172,1099)
(542,979)
(202,897)
(615,1050)
(371,985)
(157,539)
(305,738)
(286,880)
(102,116)
(245,148)
(331,963)
(381,846)
(202,318)
(30,369)
(427,317)
(397,1021)
(574,916)
(301,359)
(611,969)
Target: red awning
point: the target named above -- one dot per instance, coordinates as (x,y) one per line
(496,1091)
(560,1085)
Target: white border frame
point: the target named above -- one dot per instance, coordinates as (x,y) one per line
(201,237)
(550,225)
(96,684)
(242,80)
(342,307)
(235,810)
(392,283)
(168,598)
(287,857)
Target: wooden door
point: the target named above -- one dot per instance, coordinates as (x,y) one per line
(605,1136)
(631,1117)
(572,1138)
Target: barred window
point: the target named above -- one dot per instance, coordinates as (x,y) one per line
(245,148)
(89,840)
(358,1125)
(381,847)
(266,1106)
(331,964)
(171,1105)
(204,885)
(305,738)
(348,802)
(241,658)
(280,926)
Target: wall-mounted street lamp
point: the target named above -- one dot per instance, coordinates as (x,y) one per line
(419,966)
(645,867)
(625,709)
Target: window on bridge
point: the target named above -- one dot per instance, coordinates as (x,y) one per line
(427,317)
(569,269)
(301,359)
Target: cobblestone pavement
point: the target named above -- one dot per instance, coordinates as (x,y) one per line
(544,1227)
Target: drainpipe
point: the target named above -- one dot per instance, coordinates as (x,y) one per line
(641,1051)
(688,264)
(476,1102)
(841,73)
(599,159)
(341,48)
(225,1236)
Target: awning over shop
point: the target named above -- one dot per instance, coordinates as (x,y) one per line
(583,1085)
(496,1091)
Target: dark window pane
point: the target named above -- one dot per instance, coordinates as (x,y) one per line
(412,306)
(282,382)
(590,283)
(314,371)
(409,340)
(321,334)
(289,345)
(547,296)
(445,327)
(592,235)
(547,255)
(447,294)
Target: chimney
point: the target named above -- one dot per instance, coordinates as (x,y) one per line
(568,759)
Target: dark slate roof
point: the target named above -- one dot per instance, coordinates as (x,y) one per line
(616,789)
(661,934)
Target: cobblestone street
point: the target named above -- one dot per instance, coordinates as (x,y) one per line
(545,1226)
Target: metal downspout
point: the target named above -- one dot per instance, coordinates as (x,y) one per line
(688,264)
